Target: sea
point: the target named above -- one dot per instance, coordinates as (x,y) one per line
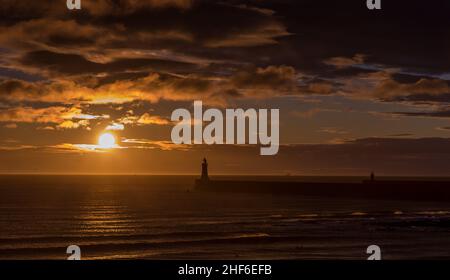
(164,217)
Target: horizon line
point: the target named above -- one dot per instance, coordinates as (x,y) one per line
(211,175)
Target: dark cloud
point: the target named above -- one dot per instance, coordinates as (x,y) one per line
(402,135)
(384,85)
(407,34)
(76,64)
(422,90)
(435,114)
(332,41)
(280,79)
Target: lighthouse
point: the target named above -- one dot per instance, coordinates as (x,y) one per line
(205,177)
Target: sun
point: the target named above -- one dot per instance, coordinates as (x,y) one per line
(106,141)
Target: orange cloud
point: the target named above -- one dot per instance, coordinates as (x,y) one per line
(11,125)
(32,115)
(255,83)
(66,118)
(147,119)
(151,144)
(74,124)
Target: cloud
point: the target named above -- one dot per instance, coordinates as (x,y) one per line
(109,34)
(157,87)
(80,148)
(127,144)
(16,148)
(105,7)
(10,125)
(48,33)
(32,115)
(74,64)
(256,83)
(311,112)
(434,114)
(74,124)
(74,148)
(123,51)
(45,128)
(126,51)
(266,34)
(144,119)
(152,144)
(402,135)
(333,130)
(61,91)
(77,113)
(390,90)
(345,62)
(261,80)
(115,126)
(384,86)
(147,119)
(29,9)
(65,118)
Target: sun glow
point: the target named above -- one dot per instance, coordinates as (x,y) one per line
(106,141)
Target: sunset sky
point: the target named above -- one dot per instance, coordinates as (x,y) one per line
(357,90)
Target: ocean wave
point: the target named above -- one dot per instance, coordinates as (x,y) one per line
(435,213)
(122,240)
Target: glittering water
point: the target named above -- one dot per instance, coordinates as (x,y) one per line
(162,217)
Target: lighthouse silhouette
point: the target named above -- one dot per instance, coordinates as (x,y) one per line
(205,176)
